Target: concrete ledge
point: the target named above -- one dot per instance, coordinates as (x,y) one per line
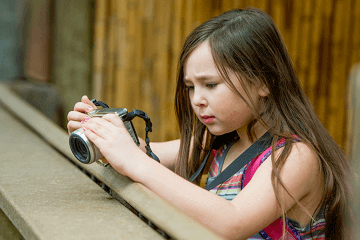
(169,219)
(47,197)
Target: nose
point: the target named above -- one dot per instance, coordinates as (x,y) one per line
(198,97)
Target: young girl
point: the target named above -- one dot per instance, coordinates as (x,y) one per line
(236,81)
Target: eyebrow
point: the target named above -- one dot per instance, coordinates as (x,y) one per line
(202,77)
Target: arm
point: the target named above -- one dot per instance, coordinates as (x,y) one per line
(254,208)
(166,151)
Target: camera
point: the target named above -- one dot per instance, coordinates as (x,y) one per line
(86,151)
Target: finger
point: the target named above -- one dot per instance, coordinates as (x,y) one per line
(114,119)
(73,125)
(76,116)
(86,100)
(99,126)
(93,136)
(83,107)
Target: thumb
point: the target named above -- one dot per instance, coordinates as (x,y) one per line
(86,100)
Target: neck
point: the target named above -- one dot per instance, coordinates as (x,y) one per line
(245,142)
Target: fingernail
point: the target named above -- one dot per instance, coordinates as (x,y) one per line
(89,109)
(82,122)
(84,128)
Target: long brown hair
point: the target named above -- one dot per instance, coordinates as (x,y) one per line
(248,43)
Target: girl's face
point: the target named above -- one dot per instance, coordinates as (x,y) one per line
(214,103)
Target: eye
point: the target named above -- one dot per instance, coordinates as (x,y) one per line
(211,85)
(189,88)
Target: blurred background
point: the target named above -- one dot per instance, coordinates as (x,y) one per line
(125,53)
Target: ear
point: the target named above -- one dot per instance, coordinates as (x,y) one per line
(264,91)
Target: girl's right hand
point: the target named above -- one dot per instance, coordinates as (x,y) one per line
(79,113)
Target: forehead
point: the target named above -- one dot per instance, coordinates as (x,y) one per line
(200,62)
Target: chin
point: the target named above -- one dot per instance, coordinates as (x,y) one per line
(218,132)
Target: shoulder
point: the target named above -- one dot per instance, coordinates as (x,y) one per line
(301,161)
(301,157)
(300,172)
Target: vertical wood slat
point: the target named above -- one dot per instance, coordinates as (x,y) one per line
(314,50)
(110,53)
(99,48)
(294,43)
(303,62)
(122,59)
(321,103)
(145,69)
(337,100)
(355,56)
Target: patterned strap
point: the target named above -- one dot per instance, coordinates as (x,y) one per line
(275,229)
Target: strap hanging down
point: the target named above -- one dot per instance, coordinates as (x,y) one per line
(259,146)
(143,115)
(218,141)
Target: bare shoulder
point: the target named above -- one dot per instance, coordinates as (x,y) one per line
(301,172)
(302,157)
(301,177)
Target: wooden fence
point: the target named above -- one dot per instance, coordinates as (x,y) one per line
(138,42)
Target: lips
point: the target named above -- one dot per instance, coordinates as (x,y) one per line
(207,119)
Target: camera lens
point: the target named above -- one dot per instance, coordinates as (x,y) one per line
(80,149)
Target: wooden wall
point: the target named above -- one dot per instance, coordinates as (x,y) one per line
(138,42)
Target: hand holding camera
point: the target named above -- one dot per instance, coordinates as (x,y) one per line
(105,129)
(81,109)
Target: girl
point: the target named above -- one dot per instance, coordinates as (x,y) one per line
(236,81)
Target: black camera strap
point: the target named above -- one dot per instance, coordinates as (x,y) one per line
(256,148)
(148,128)
(130,116)
(99,103)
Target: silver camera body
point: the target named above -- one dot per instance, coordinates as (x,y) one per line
(86,151)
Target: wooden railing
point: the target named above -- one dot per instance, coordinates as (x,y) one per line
(47,193)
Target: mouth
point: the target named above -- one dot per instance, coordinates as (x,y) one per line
(207,119)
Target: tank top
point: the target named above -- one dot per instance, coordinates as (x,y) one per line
(230,188)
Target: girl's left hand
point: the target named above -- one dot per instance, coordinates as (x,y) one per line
(114,141)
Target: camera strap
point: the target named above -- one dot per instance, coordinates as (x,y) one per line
(256,148)
(148,128)
(99,103)
(130,116)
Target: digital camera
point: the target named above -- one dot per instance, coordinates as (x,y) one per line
(86,151)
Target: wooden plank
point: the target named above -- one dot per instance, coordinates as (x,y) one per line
(294,44)
(303,63)
(336,100)
(189,16)
(111,54)
(122,53)
(355,56)
(262,4)
(47,197)
(314,51)
(321,105)
(171,129)
(99,47)
(177,224)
